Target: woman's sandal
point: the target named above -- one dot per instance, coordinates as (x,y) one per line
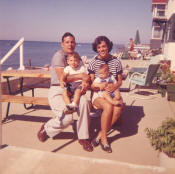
(95,142)
(106,147)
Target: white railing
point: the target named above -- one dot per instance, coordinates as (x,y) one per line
(159,13)
(12,50)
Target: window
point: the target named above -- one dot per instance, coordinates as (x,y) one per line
(170,30)
(157,34)
(160,13)
(161,6)
(159,10)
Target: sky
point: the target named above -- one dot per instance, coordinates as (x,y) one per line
(48,20)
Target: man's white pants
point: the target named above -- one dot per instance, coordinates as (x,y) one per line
(55,125)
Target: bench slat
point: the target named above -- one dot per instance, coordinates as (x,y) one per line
(25,100)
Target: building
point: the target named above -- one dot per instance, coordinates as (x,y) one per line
(163,28)
(168,44)
(158,23)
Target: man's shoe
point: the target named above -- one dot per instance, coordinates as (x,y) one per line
(42,135)
(87,146)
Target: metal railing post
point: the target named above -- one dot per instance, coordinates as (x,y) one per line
(18,44)
(21,57)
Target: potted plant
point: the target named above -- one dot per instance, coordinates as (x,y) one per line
(167,82)
(163,138)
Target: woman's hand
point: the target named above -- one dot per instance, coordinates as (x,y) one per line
(98,86)
(110,87)
(102,86)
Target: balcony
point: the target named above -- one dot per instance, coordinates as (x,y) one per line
(159,15)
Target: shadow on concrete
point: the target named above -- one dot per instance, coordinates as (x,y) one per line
(130,118)
(145,93)
(36,107)
(64,145)
(26,118)
(71,136)
(127,125)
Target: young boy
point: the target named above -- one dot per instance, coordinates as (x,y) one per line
(74,88)
(103,79)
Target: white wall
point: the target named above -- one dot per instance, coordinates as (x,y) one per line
(169,48)
(169,53)
(171,8)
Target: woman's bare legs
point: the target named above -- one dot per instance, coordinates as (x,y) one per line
(117,110)
(109,116)
(106,118)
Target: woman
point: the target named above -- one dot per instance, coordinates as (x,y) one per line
(131,42)
(102,45)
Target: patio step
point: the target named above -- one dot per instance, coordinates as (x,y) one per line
(18,160)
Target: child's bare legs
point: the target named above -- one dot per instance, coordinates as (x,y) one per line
(76,99)
(66,97)
(77,95)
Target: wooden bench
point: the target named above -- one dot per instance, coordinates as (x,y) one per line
(23,100)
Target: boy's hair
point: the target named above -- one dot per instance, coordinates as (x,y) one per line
(66,35)
(74,54)
(103,67)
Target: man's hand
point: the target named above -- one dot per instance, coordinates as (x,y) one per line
(62,84)
(86,80)
(85,86)
(85,77)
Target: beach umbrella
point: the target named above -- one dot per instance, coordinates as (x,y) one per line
(137,38)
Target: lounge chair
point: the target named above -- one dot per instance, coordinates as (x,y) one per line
(153,60)
(144,79)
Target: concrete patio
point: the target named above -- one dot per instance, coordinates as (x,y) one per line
(132,152)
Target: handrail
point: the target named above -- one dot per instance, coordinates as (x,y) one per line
(12,50)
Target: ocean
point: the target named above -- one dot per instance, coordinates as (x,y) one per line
(40,53)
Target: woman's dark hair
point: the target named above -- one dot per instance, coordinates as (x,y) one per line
(99,39)
(66,35)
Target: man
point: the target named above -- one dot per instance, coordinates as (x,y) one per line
(62,120)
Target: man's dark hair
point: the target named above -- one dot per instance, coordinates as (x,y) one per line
(66,35)
(99,39)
